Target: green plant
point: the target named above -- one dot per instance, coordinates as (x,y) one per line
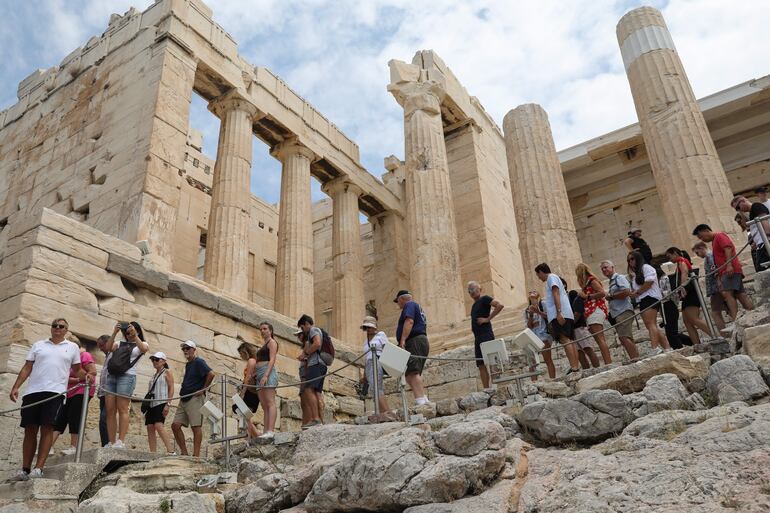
(166,505)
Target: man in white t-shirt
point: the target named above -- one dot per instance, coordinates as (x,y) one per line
(48,369)
(559,313)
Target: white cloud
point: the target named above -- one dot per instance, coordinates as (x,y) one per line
(563,55)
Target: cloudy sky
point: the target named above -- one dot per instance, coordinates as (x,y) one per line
(561,54)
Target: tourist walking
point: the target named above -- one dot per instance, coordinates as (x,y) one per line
(582,335)
(47,367)
(484,309)
(103,344)
(537,320)
(689,297)
(374,342)
(621,310)
(196,381)
(596,311)
(729,268)
(559,313)
(72,409)
(635,242)
(266,378)
(646,289)
(716,301)
(121,378)
(669,307)
(160,389)
(412,335)
(314,371)
(248,392)
(754,211)
(762,196)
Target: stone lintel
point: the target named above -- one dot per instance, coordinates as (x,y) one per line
(234,100)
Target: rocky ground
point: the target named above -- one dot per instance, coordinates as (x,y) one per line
(671,433)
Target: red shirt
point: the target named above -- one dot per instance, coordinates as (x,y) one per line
(721,242)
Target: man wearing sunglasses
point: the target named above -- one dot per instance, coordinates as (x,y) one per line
(47,367)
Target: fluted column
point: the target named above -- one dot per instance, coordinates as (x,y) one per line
(294,270)
(348,306)
(690,179)
(540,201)
(227,241)
(435,258)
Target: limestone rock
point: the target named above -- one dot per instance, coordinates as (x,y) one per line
(668,424)
(736,379)
(495,500)
(446,407)
(631,378)
(470,438)
(496,414)
(756,344)
(665,392)
(321,440)
(474,401)
(586,417)
(114,499)
(426,410)
(176,473)
(555,389)
(251,470)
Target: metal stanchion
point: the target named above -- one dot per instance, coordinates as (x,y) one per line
(706,311)
(376,378)
(762,233)
(223,390)
(82,425)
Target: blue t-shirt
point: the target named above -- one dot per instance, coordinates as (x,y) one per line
(195,373)
(412,311)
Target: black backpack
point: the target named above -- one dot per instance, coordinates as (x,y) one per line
(120,361)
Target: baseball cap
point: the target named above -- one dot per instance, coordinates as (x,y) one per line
(402,292)
(160,355)
(189,343)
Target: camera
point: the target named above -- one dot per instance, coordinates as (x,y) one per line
(123,326)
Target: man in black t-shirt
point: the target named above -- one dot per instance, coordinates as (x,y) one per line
(196,381)
(755,210)
(635,242)
(484,309)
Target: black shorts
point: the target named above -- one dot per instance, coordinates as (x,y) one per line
(649,301)
(155,415)
(69,415)
(251,400)
(557,330)
(312,372)
(691,299)
(44,414)
(477,350)
(417,345)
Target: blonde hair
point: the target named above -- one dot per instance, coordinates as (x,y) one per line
(583,273)
(249,349)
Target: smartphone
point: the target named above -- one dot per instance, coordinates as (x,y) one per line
(123,326)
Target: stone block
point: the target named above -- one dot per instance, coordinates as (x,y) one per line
(291,409)
(226,345)
(756,341)
(350,405)
(138,273)
(184,330)
(197,295)
(56,241)
(82,323)
(214,321)
(446,407)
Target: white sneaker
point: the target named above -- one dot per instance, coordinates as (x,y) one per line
(109,444)
(19,476)
(656,351)
(419,401)
(36,473)
(118,444)
(268,435)
(69,451)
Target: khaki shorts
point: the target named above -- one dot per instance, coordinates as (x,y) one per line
(189,412)
(624,324)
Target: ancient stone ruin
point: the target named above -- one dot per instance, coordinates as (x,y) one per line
(110,211)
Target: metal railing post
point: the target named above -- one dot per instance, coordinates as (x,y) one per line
(82,424)
(706,311)
(223,390)
(402,387)
(376,378)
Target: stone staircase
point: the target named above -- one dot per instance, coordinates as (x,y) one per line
(65,481)
(509,322)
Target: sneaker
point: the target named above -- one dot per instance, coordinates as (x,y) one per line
(118,444)
(171,453)
(656,351)
(573,371)
(69,451)
(109,444)
(36,473)
(419,401)
(267,436)
(19,476)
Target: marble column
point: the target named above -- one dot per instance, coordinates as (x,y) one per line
(348,307)
(294,269)
(540,201)
(689,176)
(435,257)
(227,244)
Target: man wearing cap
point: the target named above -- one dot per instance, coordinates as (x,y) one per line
(761,193)
(484,309)
(412,335)
(197,378)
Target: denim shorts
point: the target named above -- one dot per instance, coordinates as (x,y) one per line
(123,384)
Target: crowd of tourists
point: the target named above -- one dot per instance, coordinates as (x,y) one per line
(59,370)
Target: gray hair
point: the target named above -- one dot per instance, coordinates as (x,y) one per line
(474,284)
(607,262)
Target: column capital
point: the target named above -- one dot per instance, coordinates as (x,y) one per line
(413,96)
(234,100)
(340,184)
(292,146)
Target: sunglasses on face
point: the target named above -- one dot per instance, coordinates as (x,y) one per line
(187,349)
(153,359)
(59,326)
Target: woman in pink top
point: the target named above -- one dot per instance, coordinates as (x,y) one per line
(69,414)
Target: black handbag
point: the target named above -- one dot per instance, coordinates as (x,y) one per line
(149,396)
